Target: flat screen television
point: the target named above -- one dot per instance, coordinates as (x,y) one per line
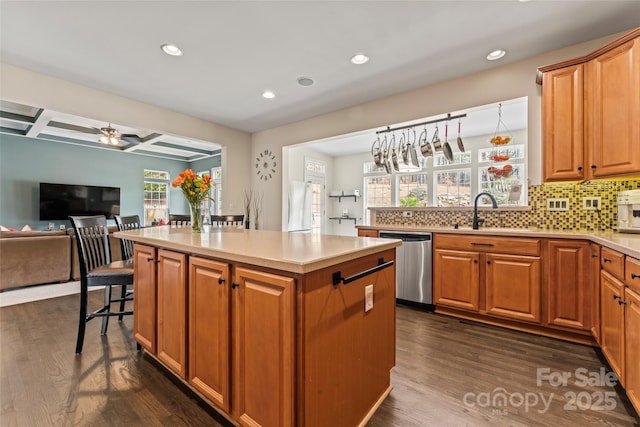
(58,201)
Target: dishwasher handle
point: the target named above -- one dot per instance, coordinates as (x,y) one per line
(337,276)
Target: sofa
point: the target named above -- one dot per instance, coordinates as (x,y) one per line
(41,257)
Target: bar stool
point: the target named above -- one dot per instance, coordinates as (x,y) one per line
(96,269)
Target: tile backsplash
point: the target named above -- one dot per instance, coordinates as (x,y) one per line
(536,215)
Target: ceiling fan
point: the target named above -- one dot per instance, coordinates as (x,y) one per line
(112,136)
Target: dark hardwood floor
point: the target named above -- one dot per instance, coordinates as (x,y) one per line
(446,369)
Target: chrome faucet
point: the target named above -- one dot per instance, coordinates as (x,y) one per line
(475,207)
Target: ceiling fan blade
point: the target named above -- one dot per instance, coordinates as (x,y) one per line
(98,130)
(130,139)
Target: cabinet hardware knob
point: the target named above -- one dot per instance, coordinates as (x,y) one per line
(635,276)
(234,285)
(475,261)
(220,280)
(579,168)
(149,259)
(617,297)
(607,259)
(620,302)
(593,166)
(594,256)
(488,262)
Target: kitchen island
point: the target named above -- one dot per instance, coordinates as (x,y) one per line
(270,328)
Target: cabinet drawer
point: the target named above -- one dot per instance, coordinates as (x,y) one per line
(367,233)
(506,245)
(632,273)
(613,262)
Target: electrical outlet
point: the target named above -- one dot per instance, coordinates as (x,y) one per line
(407,214)
(558,204)
(591,203)
(368,298)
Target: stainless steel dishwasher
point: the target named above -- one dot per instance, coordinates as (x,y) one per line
(413,267)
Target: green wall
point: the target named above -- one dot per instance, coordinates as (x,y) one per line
(25,162)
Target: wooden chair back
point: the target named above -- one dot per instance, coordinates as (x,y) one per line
(126,223)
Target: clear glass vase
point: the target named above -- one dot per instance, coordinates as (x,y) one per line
(196,210)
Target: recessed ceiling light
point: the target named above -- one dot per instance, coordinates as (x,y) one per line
(305,81)
(496,54)
(359,58)
(268,94)
(171,49)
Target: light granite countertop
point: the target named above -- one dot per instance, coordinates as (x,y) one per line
(293,252)
(628,244)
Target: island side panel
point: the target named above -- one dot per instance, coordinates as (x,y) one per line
(346,354)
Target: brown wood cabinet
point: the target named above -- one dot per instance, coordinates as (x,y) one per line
(172,310)
(264,346)
(632,273)
(632,346)
(594,269)
(144,303)
(590,110)
(613,107)
(497,276)
(563,124)
(570,291)
(513,287)
(209,335)
(263,354)
(367,233)
(612,322)
(456,279)
(160,290)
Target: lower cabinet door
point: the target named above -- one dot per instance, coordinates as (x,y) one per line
(209,340)
(612,323)
(632,346)
(263,348)
(144,302)
(570,293)
(513,287)
(172,311)
(456,280)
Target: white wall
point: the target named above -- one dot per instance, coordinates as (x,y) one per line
(293,167)
(505,82)
(348,176)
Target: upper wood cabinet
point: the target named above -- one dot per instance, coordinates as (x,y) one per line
(590,110)
(613,106)
(562,123)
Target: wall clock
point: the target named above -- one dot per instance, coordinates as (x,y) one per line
(266,165)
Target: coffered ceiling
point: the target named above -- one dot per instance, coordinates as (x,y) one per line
(235,50)
(34,122)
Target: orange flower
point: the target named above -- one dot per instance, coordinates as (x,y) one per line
(195,189)
(178,181)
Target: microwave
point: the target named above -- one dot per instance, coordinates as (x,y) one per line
(629,211)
